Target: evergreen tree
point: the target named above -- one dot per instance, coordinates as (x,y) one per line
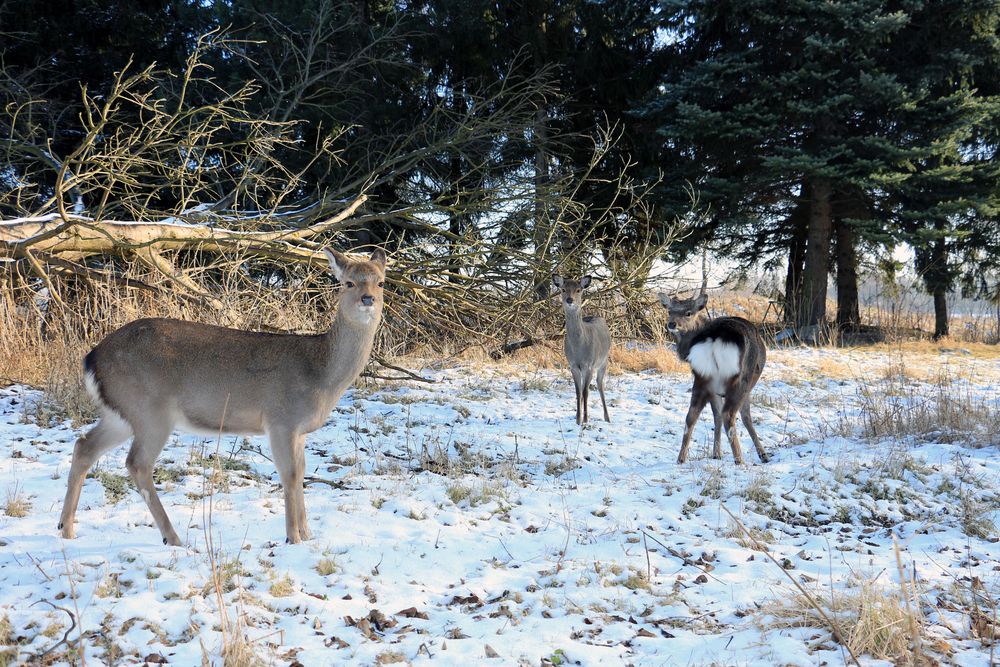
(788,117)
(948,203)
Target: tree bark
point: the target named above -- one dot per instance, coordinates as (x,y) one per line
(78,237)
(940,262)
(541,236)
(798,220)
(456,223)
(848,309)
(812,309)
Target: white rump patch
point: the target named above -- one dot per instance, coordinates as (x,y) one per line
(715,360)
(90,383)
(108,414)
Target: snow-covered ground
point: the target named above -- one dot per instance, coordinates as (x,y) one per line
(470,521)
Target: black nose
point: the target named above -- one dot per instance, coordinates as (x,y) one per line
(672,325)
(367,300)
(569,300)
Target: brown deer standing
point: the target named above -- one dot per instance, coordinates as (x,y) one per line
(155,375)
(587,345)
(727,356)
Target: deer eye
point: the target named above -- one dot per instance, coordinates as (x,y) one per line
(381,285)
(349,284)
(689,313)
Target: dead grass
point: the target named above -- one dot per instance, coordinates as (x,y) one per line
(946,346)
(283,587)
(43,345)
(875,619)
(8,649)
(326,567)
(947,410)
(17,504)
(756,539)
(634,359)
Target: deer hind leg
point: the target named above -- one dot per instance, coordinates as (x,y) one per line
(146,447)
(289,458)
(716,403)
(108,433)
(745,414)
(698,399)
(729,409)
(600,390)
(585,387)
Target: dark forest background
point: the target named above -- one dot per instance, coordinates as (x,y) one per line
(807,137)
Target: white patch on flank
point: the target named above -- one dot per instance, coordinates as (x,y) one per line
(716,361)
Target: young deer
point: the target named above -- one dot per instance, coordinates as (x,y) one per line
(587,345)
(727,356)
(154,375)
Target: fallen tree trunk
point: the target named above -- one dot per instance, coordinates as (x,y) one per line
(76,237)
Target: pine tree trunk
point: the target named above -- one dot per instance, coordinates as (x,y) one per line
(940,260)
(812,308)
(540,131)
(848,310)
(798,220)
(541,236)
(940,314)
(456,223)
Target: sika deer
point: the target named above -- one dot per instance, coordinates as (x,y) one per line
(727,356)
(155,375)
(587,345)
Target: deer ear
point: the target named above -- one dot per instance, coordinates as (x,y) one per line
(585,282)
(701,301)
(557,280)
(338,263)
(378,258)
(664,299)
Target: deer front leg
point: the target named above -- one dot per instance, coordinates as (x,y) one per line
(289,459)
(576,386)
(304,532)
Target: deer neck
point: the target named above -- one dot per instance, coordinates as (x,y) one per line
(684,343)
(574,323)
(684,338)
(349,346)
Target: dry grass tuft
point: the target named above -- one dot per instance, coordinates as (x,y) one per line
(326,567)
(876,620)
(283,587)
(756,539)
(17,504)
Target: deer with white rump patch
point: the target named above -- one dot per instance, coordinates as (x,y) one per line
(727,356)
(155,375)
(587,344)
